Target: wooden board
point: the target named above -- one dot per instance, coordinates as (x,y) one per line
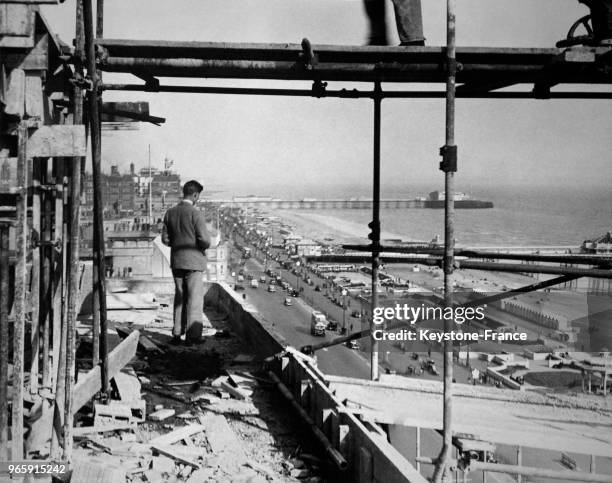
(177,435)
(144,342)
(16,20)
(20,43)
(223,441)
(36,58)
(15,93)
(58,140)
(91,383)
(34,103)
(175,454)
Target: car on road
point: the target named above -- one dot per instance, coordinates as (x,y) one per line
(288,302)
(262,279)
(238,287)
(317,289)
(352,344)
(254,283)
(356,314)
(240,278)
(332,325)
(271,288)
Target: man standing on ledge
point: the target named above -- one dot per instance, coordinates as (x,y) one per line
(185,232)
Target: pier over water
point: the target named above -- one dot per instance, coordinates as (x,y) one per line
(342,204)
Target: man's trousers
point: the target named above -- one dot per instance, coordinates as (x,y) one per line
(188,303)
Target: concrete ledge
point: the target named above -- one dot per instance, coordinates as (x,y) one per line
(369,454)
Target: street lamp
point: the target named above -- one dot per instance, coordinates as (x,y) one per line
(297,276)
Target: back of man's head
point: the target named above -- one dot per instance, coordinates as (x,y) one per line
(192,187)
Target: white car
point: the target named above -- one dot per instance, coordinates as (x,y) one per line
(288,302)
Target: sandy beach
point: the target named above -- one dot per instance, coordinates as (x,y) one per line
(321,227)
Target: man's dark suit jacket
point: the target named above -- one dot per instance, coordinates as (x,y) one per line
(186,234)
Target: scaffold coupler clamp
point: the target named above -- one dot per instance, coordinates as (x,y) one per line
(307,55)
(82,82)
(452,66)
(319,88)
(449,159)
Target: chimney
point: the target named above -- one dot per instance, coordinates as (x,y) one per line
(132,169)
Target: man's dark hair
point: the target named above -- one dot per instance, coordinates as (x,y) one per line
(192,187)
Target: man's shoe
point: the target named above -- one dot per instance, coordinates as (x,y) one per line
(176,340)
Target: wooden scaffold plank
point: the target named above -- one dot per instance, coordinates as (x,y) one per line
(20,298)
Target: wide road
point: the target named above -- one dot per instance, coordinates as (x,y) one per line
(293,323)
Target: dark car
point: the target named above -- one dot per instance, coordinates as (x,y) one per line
(332,325)
(356,314)
(317,289)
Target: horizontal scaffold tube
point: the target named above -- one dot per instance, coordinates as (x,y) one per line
(468,264)
(345,71)
(601,261)
(345,93)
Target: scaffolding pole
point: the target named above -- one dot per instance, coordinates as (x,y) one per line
(449,166)
(72,295)
(346,93)
(4,338)
(96,151)
(375,225)
(95,273)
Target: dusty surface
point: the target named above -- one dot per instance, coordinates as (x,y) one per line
(266,440)
(553,422)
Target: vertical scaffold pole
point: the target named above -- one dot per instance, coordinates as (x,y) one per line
(73,264)
(375,226)
(96,151)
(4,338)
(95,277)
(449,166)
(35,279)
(46,268)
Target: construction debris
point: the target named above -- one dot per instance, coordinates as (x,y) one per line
(162,414)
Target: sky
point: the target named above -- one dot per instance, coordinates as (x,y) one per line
(251,143)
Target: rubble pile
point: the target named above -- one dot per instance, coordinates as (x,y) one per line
(205,412)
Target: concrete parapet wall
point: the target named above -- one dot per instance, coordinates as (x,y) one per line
(364,445)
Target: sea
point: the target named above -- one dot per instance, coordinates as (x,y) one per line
(522,216)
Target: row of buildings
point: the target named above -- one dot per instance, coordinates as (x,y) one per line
(134,205)
(134,193)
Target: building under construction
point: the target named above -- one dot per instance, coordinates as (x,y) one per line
(54,374)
